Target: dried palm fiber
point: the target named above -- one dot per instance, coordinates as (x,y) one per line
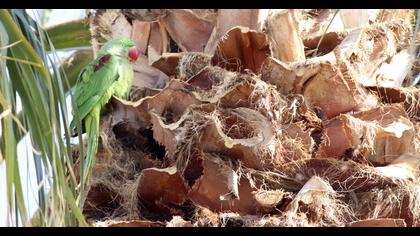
(408,96)
(378,136)
(114,178)
(317,204)
(227,19)
(161,191)
(190,31)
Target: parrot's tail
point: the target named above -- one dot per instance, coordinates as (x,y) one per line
(92,130)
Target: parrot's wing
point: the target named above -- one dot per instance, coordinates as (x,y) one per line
(93,82)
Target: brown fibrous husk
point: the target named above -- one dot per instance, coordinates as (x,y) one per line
(236,130)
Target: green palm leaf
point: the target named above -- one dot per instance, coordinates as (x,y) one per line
(37,78)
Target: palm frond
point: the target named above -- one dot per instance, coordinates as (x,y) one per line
(30,72)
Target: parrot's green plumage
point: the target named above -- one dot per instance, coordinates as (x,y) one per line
(110,74)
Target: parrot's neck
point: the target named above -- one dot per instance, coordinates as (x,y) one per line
(118,52)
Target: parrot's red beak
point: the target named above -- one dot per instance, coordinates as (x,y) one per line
(133,54)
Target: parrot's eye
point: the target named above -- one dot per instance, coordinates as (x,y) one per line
(133,53)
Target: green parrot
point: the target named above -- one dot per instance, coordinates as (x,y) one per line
(110,74)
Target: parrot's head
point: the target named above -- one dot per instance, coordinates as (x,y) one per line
(122,47)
